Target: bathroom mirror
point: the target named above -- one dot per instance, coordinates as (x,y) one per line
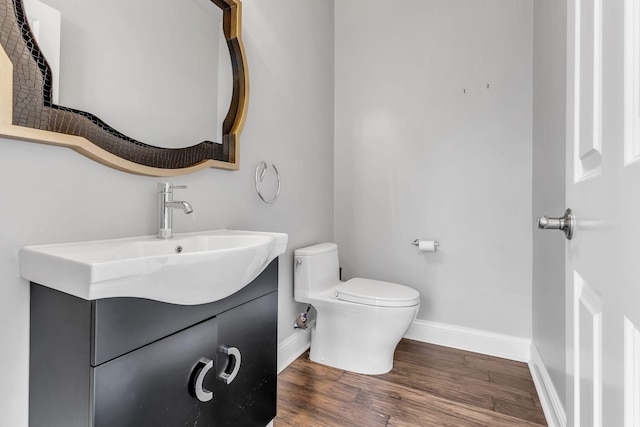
(151,113)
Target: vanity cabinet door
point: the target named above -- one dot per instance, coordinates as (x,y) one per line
(249,399)
(153,386)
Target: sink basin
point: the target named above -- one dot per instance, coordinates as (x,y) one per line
(191,268)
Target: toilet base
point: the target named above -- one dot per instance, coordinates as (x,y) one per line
(363,340)
(361,365)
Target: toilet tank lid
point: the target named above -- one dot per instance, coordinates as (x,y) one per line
(376,292)
(318,249)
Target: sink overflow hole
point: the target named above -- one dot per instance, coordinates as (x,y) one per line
(178,249)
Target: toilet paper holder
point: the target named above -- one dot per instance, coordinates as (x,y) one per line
(416,242)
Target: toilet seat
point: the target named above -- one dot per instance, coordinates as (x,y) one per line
(377,293)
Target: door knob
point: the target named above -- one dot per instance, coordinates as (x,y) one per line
(564,223)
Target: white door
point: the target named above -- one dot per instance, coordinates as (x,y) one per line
(603,189)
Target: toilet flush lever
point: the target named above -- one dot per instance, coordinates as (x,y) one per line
(298,263)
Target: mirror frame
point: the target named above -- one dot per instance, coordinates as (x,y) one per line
(25,74)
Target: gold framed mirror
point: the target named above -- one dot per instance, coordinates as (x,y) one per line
(28,111)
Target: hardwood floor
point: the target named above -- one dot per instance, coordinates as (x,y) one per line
(429,385)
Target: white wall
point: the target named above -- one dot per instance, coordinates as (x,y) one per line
(417,157)
(549,112)
(52,194)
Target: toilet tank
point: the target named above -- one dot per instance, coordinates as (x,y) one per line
(316,269)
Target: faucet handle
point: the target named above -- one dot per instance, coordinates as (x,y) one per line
(167,187)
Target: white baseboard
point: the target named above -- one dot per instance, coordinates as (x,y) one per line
(551,405)
(292,347)
(493,344)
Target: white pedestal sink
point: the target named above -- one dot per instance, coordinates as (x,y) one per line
(192,268)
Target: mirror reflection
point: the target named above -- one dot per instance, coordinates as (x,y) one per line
(122,67)
(150,82)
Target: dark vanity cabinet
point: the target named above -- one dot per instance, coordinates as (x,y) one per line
(128,362)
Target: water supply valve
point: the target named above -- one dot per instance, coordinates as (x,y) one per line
(301,320)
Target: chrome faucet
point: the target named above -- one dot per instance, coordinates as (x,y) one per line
(166,204)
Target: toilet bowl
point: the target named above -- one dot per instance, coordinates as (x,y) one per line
(359,322)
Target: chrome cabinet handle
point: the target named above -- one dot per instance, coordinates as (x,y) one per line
(228,377)
(203,366)
(565,223)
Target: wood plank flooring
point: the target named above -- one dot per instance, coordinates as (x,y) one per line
(429,385)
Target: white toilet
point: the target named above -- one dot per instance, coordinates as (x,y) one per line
(359,322)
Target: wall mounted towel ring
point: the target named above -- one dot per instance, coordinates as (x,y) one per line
(261,171)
